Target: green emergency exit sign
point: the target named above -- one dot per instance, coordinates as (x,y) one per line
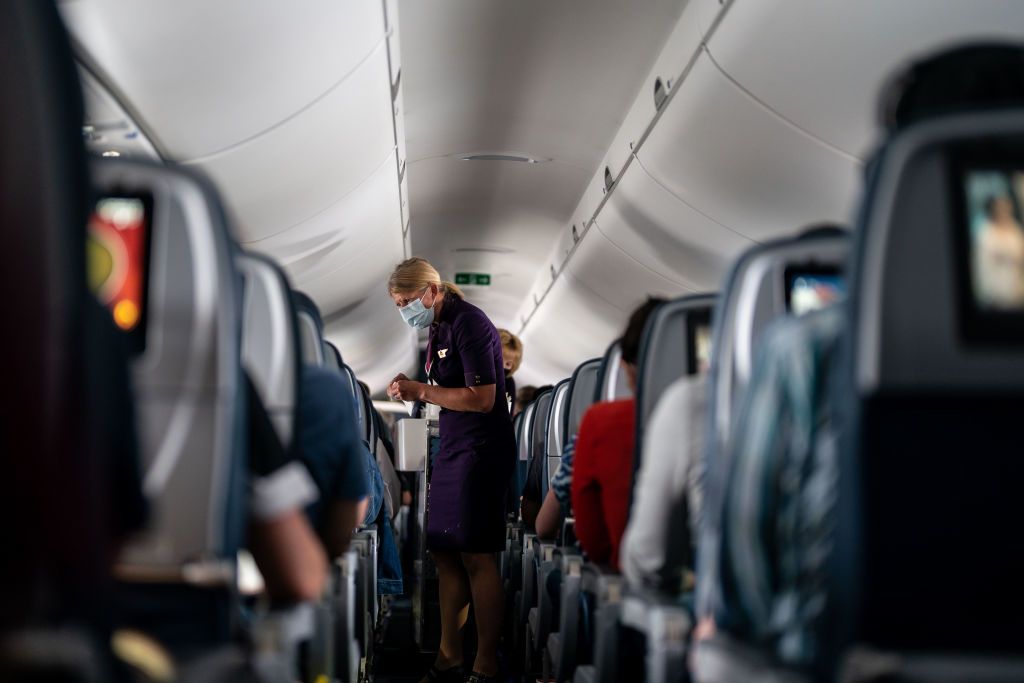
(482,279)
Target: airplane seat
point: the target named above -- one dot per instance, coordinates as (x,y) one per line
(561,652)
(765,283)
(311,329)
(270,342)
(934,379)
(332,356)
(669,350)
(611,382)
(67,367)
(526,599)
(917,582)
(554,434)
(178,579)
(270,357)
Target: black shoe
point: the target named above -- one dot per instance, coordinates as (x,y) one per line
(477,677)
(452,674)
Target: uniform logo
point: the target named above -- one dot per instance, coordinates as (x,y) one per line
(441,353)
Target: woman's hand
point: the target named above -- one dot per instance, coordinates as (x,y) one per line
(400,377)
(406,390)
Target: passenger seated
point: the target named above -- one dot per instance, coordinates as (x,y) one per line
(601,471)
(524,396)
(512,357)
(670,476)
(333,450)
(287,551)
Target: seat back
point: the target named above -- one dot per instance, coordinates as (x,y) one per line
(270,341)
(767,281)
(611,377)
(676,337)
(583,388)
(359,402)
(332,356)
(188,377)
(311,329)
(931,392)
(555,431)
(66,414)
(758,289)
(538,435)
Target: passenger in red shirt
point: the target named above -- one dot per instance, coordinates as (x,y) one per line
(603,469)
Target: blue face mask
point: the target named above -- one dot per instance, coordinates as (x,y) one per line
(417,315)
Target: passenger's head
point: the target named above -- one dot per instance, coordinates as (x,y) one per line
(965,78)
(511,351)
(999,209)
(523,396)
(417,289)
(631,338)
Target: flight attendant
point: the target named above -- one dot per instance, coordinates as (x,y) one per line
(472,470)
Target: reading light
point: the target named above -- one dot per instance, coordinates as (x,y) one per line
(111,153)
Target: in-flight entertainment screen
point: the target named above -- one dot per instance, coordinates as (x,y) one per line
(118,248)
(809,290)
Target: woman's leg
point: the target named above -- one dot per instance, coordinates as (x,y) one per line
(453,594)
(488,605)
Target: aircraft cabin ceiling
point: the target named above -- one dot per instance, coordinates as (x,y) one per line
(668,136)
(546,81)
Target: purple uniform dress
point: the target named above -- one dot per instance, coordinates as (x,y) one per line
(472,470)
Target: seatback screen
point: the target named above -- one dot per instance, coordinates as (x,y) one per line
(994,200)
(117,261)
(698,328)
(812,289)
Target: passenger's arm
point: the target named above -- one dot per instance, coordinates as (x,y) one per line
(289,556)
(591,529)
(343,517)
(548,517)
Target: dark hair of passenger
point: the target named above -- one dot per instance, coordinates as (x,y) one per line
(982,76)
(526,394)
(630,341)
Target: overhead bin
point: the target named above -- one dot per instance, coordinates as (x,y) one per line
(665,235)
(680,48)
(707,12)
(574,322)
(617,278)
(730,158)
(306,164)
(331,239)
(256,64)
(764,47)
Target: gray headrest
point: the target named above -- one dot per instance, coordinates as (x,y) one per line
(942,271)
(669,349)
(555,437)
(524,434)
(539,422)
(763,284)
(581,394)
(189,388)
(612,381)
(361,402)
(332,357)
(311,330)
(270,344)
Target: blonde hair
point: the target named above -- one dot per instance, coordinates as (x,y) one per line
(415,274)
(514,345)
